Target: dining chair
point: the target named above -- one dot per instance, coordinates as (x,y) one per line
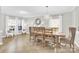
(40,35)
(48,36)
(70,39)
(55,29)
(31,33)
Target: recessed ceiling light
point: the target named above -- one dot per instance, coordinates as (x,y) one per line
(23,12)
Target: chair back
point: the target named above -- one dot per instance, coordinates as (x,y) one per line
(41,30)
(31,30)
(55,29)
(72,32)
(48,32)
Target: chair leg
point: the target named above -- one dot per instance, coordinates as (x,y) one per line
(73,48)
(70,45)
(29,38)
(43,43)
(34,39)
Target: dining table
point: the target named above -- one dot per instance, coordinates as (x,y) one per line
(56,35)
(57,38)
(48,33)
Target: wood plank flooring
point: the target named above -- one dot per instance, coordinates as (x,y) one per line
(21,44)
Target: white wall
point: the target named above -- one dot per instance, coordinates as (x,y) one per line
(72,19)
(67,21)
(76,24)
(2,22)
(26,23)
(76,19)
(30,22)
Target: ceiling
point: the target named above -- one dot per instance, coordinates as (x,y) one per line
(27,11)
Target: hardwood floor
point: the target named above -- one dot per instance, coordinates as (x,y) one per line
(21,44)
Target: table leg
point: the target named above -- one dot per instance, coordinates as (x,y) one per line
(57,43)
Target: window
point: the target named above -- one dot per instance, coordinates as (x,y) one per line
(56,22)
